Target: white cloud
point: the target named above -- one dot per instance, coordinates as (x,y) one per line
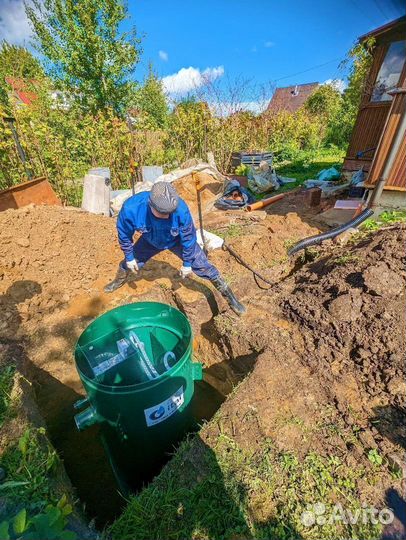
(163,55)
(269,44)
(187,79)
(14,26)
(340,84)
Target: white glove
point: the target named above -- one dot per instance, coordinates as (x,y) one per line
(132,266)
(185,271)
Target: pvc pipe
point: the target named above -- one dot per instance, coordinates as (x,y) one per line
(86,418)
(265,202)
(81,403)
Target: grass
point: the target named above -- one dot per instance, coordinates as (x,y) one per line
(28,458)
(232,231)
(383,220)
(344,259)
(234,493)
(28,463)
(307,165)
(6,385)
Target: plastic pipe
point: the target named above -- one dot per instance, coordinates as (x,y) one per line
(319,238)
(81,403)
(265,202)
(86,418)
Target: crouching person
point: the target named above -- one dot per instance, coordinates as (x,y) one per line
(165,222)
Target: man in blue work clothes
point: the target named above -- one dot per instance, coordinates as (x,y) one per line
(164,221)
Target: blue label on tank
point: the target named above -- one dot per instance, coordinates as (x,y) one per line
(165,409)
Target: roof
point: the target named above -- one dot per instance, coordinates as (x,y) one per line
(291,98)
(384,28)
(22,89)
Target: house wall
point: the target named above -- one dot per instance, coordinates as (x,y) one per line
(373,117)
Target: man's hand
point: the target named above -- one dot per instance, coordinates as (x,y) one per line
(132,266)
(185,271)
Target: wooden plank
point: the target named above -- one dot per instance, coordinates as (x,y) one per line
(388,188)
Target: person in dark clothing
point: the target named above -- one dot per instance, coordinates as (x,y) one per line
(165,222)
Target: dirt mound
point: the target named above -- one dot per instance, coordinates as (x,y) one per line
(49,254)
(350,308)
(210,190)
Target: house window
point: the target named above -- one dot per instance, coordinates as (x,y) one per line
(389,73)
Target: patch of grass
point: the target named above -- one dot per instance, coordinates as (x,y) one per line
(28,463)
(384,219)
(344,259)
(225,325)
(290,242)
(237,493)
(307,165)
(6,385)
(232,231)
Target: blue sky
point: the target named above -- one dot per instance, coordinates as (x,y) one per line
(257,39)
(264,41)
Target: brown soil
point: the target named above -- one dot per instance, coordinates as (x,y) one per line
(325,343)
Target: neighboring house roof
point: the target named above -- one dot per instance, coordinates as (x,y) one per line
(291,98)
(22,90)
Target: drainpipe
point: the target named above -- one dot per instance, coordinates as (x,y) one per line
(378,189)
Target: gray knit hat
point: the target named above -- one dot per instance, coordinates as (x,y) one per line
(163,197)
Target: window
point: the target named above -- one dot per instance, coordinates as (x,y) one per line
(391,68)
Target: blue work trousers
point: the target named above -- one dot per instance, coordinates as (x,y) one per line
(143,251)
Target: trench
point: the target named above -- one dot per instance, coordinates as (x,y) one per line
(83,455)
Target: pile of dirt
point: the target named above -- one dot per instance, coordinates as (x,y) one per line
(210,188)
(48,254)
(350,309)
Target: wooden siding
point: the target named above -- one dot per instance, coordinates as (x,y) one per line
(370,120)
(386,142)
(367,131)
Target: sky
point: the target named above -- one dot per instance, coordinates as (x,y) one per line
(266,42)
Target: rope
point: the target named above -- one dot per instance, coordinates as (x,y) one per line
(248,267)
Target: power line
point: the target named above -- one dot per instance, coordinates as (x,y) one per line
(306,70)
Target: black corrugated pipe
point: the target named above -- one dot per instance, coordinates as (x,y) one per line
(319,238)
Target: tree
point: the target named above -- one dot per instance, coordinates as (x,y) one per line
(151,101)
(361,57)
(18,63)
(85,52)
(324,102)
(341,124)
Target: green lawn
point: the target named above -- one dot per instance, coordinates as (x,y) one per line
(307,166)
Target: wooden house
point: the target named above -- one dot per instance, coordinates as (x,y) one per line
(378,141)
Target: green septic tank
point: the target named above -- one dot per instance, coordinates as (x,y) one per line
(135,363)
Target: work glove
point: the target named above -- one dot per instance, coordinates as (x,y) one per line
(185,271)
(132,266)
